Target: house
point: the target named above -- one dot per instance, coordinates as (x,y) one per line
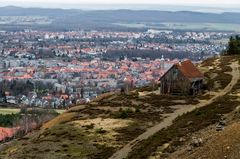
(7,133)
(59,88)
(11,99)
(182,78)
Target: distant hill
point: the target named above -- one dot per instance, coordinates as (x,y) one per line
(123,15)
(73,18)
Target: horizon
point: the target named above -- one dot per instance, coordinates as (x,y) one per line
(207,6)
(157,7)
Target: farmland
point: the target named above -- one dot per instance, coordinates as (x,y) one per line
(185,26)
(5,111)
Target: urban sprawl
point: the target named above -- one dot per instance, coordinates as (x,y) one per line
(62,69)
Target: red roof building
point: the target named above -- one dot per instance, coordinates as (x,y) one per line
(188,69)
(7,133)
(182,78)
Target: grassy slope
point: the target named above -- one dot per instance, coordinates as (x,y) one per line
(191,122)
(49,141)
(225,143)
(62,138)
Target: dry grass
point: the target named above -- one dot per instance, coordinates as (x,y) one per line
(208,62)
(186,124)
(5,111)
(106,124)
(227,145)
(218,78)
(193,121)
(66,117)
(61,141)
(98,129)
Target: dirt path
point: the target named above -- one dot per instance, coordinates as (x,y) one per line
(123,153)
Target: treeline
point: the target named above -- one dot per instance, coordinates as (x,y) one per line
(7,120)
(23,87)
(162,39)
(16,87)
(233,46)
(27,116)
(152,54)
(25,121)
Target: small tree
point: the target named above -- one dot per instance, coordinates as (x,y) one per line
(233,47)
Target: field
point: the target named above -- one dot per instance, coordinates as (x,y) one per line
(24,20)
(204,26)
(5,111)
(185,26)
(60,111)
(131,25)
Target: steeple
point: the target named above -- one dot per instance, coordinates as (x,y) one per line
(162,60)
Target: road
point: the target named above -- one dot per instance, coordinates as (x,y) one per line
(123,153)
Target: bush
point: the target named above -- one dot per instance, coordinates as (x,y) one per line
(100,131)
(123,114)
(8,119)
(199,119)
(233,46)
(129,110)
(137,110)
(38,111)
(91,126)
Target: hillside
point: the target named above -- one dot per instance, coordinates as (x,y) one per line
(60,19)
(123,15)
(121,125)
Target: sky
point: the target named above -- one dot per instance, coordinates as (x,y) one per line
(79,3)
(223,2)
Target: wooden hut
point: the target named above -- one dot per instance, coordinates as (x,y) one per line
(182,78)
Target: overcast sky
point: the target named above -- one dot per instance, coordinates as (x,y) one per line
(217,2)
(77,3)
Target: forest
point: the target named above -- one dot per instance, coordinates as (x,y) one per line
(151,54)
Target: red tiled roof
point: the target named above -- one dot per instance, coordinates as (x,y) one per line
(6,132)
(189,70)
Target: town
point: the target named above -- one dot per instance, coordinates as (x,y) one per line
(62,69)
(123,79)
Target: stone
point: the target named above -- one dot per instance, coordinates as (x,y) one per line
(219,127)
(182,139)
(189,122)
(228,147)
(189,148)
(196,142)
